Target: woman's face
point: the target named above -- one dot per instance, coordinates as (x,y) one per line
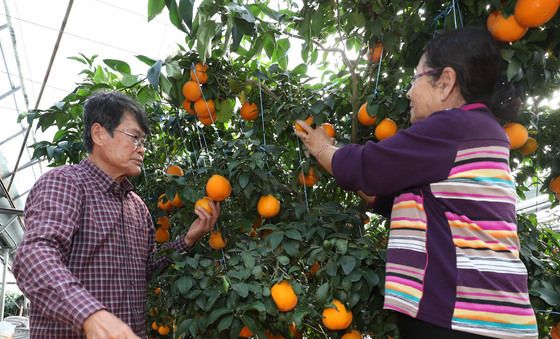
(424,99)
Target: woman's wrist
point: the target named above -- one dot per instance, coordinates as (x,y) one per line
(322,149)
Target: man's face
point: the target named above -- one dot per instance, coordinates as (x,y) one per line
(123,153)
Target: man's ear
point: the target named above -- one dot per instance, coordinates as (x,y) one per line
(98,134)
(447,83)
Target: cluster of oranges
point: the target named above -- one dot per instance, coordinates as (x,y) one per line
(519,138)
(195,103)
(527,14)
(385,129)
(166,204)
(163,330)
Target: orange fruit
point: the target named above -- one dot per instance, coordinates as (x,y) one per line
(555,331)
(284,296)
(294,331)
(205,204)
(163,222)
(175,170)
(337,318)
(376,52)
(162,235)
(352,335)
(308,180)
(504,29)
(386,128)
(269,335)
(364,118)
(188,106)
(216,241)
(155,326)
(218,188)
(314,268)
(177,202)
(209,120)
(268,206)
(533,13)
(201,74)
(157,290)
(529,147)
(164,330)
(249,111)
(554,185)
(191,91)
(517,134)
(308,121)
(329,129)
(164,205)
(204,108)
(245,332)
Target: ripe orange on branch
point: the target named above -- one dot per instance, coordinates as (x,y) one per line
(386,129)
(364,118)
(529,147)
(175,170)
(284,296)
(162,235)
(218,188)
(204,108)
(249,111)
(504,29)
(245,332)
(554,185)
(352,335)
(376,52)
(534,13)
(163,222)
(200,76)
(268,206)
(517,134)
(216,241)
(191,91)
(164,203)
(337,318)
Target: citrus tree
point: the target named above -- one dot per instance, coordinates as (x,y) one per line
(293,254)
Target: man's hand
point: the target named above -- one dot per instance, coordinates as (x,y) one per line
(204,224)
(105,325)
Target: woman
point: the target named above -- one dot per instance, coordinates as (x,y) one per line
(453,267)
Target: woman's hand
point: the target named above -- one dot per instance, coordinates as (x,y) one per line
(318,144)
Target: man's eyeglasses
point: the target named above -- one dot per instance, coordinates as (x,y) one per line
(419,75)
(138,141)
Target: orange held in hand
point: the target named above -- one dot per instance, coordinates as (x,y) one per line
(204,203)
(517,134)
(308,121)
(201,76)
(364,118)
(504,29)
(386,128)
(284,296)
(534,13)
(249,111)
(268,206)
(216,241)
(329,129)
(218,188)
(191,91)
(337,318)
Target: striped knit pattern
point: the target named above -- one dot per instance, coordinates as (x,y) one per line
(403,282)
(492,298)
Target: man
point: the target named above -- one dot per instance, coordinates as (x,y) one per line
(89,247)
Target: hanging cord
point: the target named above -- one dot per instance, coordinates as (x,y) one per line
(43,85)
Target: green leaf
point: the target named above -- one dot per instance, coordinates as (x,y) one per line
(174,15)
(283,260)
(225,323)
(341,246)
(293,234)
(146,60)
(184,284)
(216,314)
(224,109)
(241,11)
(242,289)
(154,73)
(186,11)
(322,293)
(128,80)
(243,180)
(173,70)
(205,33)
(300,69)
(154,8)
(248,260)
(275,238)
(513,68)
(99,75)
(118,65)
(348,264)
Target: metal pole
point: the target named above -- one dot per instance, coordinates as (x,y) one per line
(5,270)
